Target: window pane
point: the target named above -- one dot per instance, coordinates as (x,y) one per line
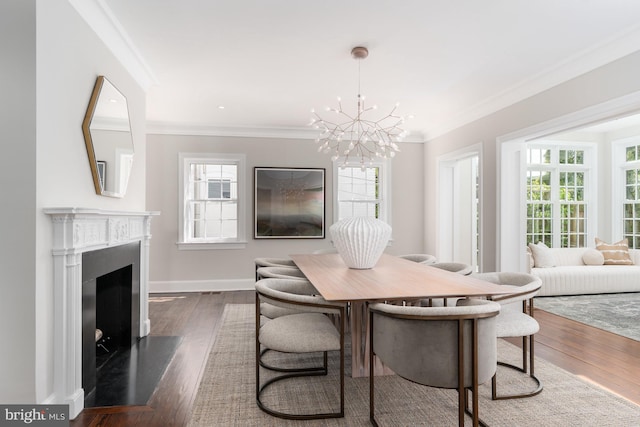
(229,229)
(229,211)
(631,193)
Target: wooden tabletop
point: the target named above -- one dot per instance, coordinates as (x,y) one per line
(392,278)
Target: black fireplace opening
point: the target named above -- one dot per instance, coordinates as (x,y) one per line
(110,310)
(113,315)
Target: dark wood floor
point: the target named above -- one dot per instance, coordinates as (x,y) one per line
(598,356)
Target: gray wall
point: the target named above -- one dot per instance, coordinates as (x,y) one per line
(45,164)
(17,218)
(216,268)
(603,84)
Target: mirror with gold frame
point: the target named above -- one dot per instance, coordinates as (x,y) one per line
(107,135)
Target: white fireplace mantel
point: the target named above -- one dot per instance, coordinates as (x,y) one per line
(76,231)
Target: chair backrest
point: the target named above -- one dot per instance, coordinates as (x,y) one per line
(421,343)
(525,286)
(274,262)
(420,258)
(296,294)
(280,273)
(454,267)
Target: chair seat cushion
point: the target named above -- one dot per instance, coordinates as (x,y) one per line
(300,333)
(511,323)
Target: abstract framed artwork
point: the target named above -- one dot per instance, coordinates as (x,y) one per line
(289,203)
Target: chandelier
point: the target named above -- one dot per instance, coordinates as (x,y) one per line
(358,137)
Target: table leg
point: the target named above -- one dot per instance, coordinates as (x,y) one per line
(359,322)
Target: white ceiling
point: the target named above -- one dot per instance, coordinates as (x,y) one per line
(447,62)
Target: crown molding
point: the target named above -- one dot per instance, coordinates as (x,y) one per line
(103,22)
(599,55)
(166,128)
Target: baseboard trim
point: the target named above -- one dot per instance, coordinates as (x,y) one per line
(156,287)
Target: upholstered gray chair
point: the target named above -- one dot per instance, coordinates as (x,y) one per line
(279,273)
(454,267)
(273,262)
(420,258)
(310,331)
(516,320)
(446,347)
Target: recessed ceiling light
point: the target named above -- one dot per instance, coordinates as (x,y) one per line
(220,107)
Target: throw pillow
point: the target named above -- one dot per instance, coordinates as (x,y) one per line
(615,253)
(542,256)
(592,257)
(532,263)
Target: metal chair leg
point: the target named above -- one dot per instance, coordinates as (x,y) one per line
(523,369)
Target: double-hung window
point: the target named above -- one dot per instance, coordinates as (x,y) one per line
(362,191)
(631,198)
(212,194)
(557,195)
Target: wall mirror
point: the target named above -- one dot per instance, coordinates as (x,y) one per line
(107,135)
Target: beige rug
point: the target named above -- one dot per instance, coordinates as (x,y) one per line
(226,396)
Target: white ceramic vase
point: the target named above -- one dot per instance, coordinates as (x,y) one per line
(360,240)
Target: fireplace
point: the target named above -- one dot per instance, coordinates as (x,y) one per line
(115,247)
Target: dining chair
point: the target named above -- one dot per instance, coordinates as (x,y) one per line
(279,273)
(444,347)
(454,267)
(516,320)
(308,331)
(270,311)
(420,258)
(272,262)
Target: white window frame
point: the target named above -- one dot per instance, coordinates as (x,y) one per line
(619,168)
(384,166)
(184,162)
(590,183)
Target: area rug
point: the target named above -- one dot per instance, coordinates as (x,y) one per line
(226,395)
(617,313)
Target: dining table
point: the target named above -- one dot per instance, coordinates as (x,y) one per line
(392,279)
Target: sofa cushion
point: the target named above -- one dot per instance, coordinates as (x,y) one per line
(588,279)
(615,253)
(542,256)
(593,257)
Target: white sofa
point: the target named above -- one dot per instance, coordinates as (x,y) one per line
(571,276)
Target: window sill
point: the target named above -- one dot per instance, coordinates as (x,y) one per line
(205,246)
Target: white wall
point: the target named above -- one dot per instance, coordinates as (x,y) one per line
(45,164)
(18,194)
(606,83)
(172,269)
